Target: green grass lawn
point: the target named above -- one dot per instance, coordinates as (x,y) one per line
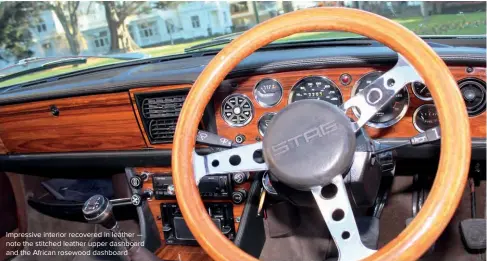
(450,24)
(60,70)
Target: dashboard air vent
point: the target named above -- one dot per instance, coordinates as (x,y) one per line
(159,112)
(163,107)
(162,130)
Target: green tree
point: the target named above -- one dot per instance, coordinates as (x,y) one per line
(15,21)
(67,13)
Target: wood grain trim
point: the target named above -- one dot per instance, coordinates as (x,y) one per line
(183,253)
(455,147)
(404,128)
(3,149)
(89,123)
(137,113)
(173,252)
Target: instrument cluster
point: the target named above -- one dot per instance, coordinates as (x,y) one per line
(238,110)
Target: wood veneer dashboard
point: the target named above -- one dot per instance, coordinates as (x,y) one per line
(111,122)
(403,128)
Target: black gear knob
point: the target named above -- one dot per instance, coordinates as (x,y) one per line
(98,210)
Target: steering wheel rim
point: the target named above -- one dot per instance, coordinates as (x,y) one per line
(453,167)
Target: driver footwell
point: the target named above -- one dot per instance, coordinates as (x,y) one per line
(301,234)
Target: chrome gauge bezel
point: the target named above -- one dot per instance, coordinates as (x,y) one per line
(419,96)
(258,122)
(389,123)
(262,104)
(319,76)
(229,122)
(416,113)
(479,83)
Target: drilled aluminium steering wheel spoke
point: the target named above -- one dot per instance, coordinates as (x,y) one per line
(380,92)
(241,159)
(335,207)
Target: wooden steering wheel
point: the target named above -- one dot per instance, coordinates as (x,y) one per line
(327,127)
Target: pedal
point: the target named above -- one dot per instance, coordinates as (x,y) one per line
(473,233)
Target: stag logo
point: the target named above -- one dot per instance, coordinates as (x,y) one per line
(306,137)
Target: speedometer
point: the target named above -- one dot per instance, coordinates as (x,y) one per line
(392,112)
(316,88)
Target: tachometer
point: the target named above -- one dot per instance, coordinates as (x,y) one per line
(268,92)
(392,112)
(425,117)
(316,88)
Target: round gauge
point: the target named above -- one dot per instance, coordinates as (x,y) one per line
(421,91)
(264,122)
(268,92)
(237,110)
(425,117)
(316,88)
(392,112)
(473,92)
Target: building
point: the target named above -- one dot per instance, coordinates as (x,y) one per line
(186,21)
(48,36)
(246,14)
(93,27)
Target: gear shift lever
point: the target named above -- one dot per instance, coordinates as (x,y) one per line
(98,210)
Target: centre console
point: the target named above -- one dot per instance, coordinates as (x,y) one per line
(223,195)
(176,232)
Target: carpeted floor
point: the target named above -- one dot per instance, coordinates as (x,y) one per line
(310,240)
(449,247)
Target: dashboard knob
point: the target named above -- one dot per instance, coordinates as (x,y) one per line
(240,177)
(145,175)
(136,182)
(238,197)
(137,199)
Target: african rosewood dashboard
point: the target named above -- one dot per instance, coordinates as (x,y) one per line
(114,122)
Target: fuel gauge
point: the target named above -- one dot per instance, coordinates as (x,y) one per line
(425,117)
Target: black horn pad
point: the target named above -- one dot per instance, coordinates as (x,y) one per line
(308,143)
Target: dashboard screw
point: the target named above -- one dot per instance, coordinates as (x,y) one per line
(54,110)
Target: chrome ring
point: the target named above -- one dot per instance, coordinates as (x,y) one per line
(416,113)
(263,104)
(419,96)
(229,122)
(322,77)
(258,122)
